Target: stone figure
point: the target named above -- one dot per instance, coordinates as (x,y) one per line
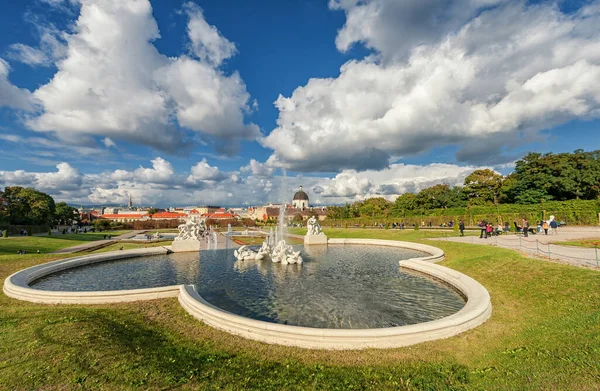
(282,253)
(192,229)
(314,228)
(285,254)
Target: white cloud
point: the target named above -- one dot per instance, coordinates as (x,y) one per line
(162,185)
(207,43)
(51,48)
(10,95)
(108,143)
(257,168)
(202,171)
(509,72)
(114,83)
(394,28)
(65,178)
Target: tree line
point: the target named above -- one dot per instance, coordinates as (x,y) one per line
(537,178)
(28,206)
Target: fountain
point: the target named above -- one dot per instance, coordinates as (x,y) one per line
(314,234)
(276,249)
(190,234)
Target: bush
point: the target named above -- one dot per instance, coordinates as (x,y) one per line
(49,232)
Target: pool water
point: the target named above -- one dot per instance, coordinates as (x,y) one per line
(337,286)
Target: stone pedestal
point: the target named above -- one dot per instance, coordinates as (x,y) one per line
(310,240)
(182,246)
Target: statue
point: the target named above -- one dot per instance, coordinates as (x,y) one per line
(282,253)
(314,228)
(193,229)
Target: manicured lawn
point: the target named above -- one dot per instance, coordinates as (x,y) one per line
(544,333)
(593,242)
(49,243)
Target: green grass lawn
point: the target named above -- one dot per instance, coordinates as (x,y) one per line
(49,243)
(544,333)
(591,243)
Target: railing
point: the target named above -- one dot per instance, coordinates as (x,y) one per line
(589,256)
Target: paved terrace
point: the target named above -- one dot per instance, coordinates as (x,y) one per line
(544,246)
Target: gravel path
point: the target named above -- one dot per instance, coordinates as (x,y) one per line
(543,246)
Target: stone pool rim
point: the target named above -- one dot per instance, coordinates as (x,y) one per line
(476,311)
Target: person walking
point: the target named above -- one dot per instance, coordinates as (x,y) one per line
(482,225)
(525,227)
(554,227)
(461,227)
(545,227)
(489,229)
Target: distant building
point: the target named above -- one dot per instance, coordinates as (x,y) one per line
(300,199)
(169,216)
(220,214)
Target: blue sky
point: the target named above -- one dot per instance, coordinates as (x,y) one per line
(195,102)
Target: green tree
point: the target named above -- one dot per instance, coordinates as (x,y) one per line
(374,207)
(28,206)
(483,187)
(561,177)
(152,211)
(439,196)
(65,214)
(405,202)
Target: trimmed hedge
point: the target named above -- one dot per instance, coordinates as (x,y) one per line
(574,212)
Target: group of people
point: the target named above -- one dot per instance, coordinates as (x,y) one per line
(546,225)
(487,229)
(25,251)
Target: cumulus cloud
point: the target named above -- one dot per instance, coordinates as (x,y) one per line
(257,168)
(65,178)
(162,185)
(10,95)
(484,82)
(207,43)
(113,82)
(202,171)
(350,185)
(394,28)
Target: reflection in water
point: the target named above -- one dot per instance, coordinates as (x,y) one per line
(336,287)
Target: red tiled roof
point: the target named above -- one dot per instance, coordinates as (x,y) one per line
(219,215)
(122,216)
(168,215)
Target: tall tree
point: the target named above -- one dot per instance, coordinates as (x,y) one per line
(483,187)
(439,196)
(405,202)
(65,214)
(29,206)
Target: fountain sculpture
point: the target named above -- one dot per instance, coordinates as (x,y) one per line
(314,234)
(190,235)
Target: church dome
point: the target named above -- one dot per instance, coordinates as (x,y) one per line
(300,195)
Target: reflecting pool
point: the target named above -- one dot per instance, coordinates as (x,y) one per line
(337,286)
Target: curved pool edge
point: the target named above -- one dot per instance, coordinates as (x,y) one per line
(476,311)
(17,284)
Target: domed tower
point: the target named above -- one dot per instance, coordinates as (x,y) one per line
(300,199)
